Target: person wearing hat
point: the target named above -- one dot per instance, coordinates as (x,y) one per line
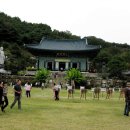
(127,99)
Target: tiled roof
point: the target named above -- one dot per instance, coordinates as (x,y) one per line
(63,45)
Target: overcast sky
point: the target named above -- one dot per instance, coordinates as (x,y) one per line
(106,19)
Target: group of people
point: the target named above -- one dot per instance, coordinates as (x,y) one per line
(56,89)
(3,95)
(17,94)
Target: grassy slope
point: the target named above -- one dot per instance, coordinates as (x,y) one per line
(41,112)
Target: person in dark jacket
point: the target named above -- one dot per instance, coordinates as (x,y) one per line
(127,99)
(17,94)
(1,92)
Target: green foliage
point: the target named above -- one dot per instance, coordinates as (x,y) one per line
(17,58)
(63,35)
(113,51)
(106,55)
(7,32)
(92,40)
(126,56)
(29,68)
(74,74)
(14,30)
(21,73)
(14,33)
(116,65)
(103,56)
(42,75)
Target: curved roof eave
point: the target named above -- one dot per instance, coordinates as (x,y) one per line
(63,45)
(83,50)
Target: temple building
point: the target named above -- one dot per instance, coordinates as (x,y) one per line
(62,55)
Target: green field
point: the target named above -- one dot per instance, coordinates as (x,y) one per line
(41,112)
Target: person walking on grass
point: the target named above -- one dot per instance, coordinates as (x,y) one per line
(56,91)
(5,101)
(127,99)
(17,94)
(1,93)
(28,88)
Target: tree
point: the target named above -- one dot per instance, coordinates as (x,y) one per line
(74,75)
(103,56)
(42,75)
(102,59)
(63,35)
(8,33)
(115,67)
(14,33)
(92,40)
(126,55)
(17,58)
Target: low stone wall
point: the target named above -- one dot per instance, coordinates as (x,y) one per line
(13,78)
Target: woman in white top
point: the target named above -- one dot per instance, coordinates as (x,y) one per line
(56,91)
(28,88)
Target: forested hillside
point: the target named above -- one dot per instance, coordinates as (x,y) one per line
(14,33)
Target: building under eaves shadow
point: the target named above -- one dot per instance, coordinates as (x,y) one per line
(58,55)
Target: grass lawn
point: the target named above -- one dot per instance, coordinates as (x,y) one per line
(41,112)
